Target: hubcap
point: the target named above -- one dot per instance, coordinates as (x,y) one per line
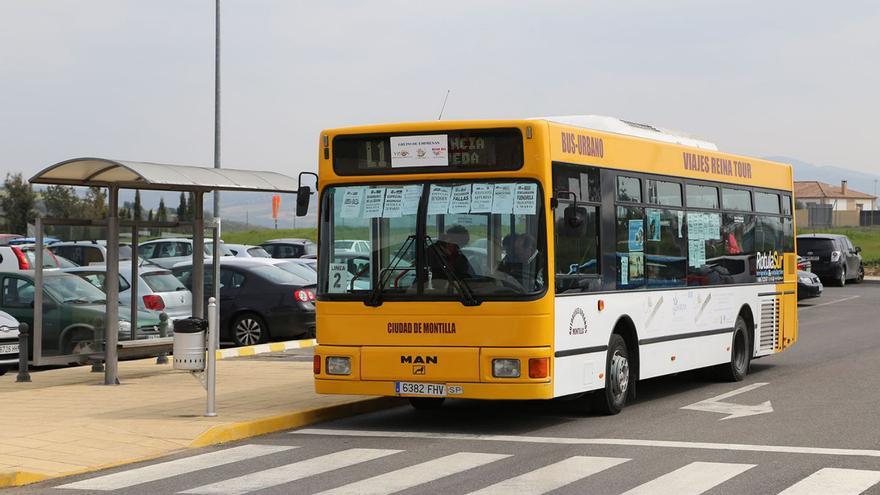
(248,331)
(619,375)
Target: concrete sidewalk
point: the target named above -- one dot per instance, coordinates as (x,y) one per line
(66,421)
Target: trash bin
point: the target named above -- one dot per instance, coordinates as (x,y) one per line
(189,344)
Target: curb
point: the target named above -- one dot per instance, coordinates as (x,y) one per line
(229,433)
(252,350)
(246,429)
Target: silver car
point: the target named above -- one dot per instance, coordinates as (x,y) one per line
(8,342)
(247,251)
(158,289)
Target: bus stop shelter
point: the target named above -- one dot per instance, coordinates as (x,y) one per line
(117,174)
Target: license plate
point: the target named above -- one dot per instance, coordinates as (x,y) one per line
(812,258)
(8,348)
(420,389)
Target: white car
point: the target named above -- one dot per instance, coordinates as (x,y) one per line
(351,246)
(18,258)
(158,289)
(247,251)
(87,252)
(8,342)
(173,250)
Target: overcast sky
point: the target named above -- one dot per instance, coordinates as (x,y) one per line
(133,79)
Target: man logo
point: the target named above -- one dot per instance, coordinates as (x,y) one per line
(419,369)
(418,359)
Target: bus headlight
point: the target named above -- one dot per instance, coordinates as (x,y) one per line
(338,365)
(505,368)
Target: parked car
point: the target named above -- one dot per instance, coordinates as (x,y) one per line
(168,252)
(85,253)
(809,285)
(248,251)
(804,264)
(8,342)
(158,289)
(258,301)
(16,258)
(71,309)
(832,256)
(351,246)
(289,248)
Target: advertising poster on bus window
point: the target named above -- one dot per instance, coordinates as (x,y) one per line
(438,199)
(411,197)
(636,235)
(374,202)
(420,151)
(461,199)
(393,202)
(481,198)
(502,198)
(624,270)
(636,266)
(653,225)
(525,200)
(352,199)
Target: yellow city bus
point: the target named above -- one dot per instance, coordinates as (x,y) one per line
(544,258)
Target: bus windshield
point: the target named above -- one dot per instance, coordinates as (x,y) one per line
(465,240)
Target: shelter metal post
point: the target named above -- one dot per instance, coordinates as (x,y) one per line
(135,281)
(111,326)
(216,269)
(38,291)
(211,369)
(198,257)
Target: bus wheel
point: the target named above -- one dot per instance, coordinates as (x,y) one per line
(617,376)
(426,403)
(738,367)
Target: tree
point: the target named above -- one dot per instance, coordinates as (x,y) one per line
(161,211)
(18,203)
(62,202)
(191,208)
(96,203)
(181,208)
(150,215)
(138,209)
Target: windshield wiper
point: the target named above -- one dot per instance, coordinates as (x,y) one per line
(375,298)
(467,294)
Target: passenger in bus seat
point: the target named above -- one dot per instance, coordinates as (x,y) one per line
(521,258)
(449,246)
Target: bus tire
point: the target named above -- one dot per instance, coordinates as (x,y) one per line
(426,403)
(738,367)
(612,398)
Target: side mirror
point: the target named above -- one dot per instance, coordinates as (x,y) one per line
(303,195)
(858,250)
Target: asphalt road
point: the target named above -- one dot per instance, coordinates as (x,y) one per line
(822,436)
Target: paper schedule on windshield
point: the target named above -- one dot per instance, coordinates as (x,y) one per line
(438,199)
(393,202)
(525,201)
(374,202)
(352,200)
(461,199)
(481,198)
(411,197)
(502,198)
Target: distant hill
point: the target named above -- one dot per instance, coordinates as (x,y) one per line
(859,181)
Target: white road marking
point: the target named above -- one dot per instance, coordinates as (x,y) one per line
(291,472)
(629,442)
(412,476)
(834,481)
(850,298)
(163,470)
(693,479)
(552,477)
(732,410)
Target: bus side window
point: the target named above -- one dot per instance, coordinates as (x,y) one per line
(577,244)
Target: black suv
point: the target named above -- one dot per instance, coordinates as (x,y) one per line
(832,256)
(289,248)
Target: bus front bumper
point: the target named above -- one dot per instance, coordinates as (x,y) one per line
(490,391)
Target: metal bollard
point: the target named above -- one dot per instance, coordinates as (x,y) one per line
(211,369)
(164,321)
(23,374)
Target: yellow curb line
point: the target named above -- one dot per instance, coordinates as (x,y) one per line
(227,433)
(252,350)
(262,426)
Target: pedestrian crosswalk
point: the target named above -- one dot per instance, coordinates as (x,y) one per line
(392,471)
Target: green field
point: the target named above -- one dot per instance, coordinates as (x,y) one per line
(867,238)
(260,235)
